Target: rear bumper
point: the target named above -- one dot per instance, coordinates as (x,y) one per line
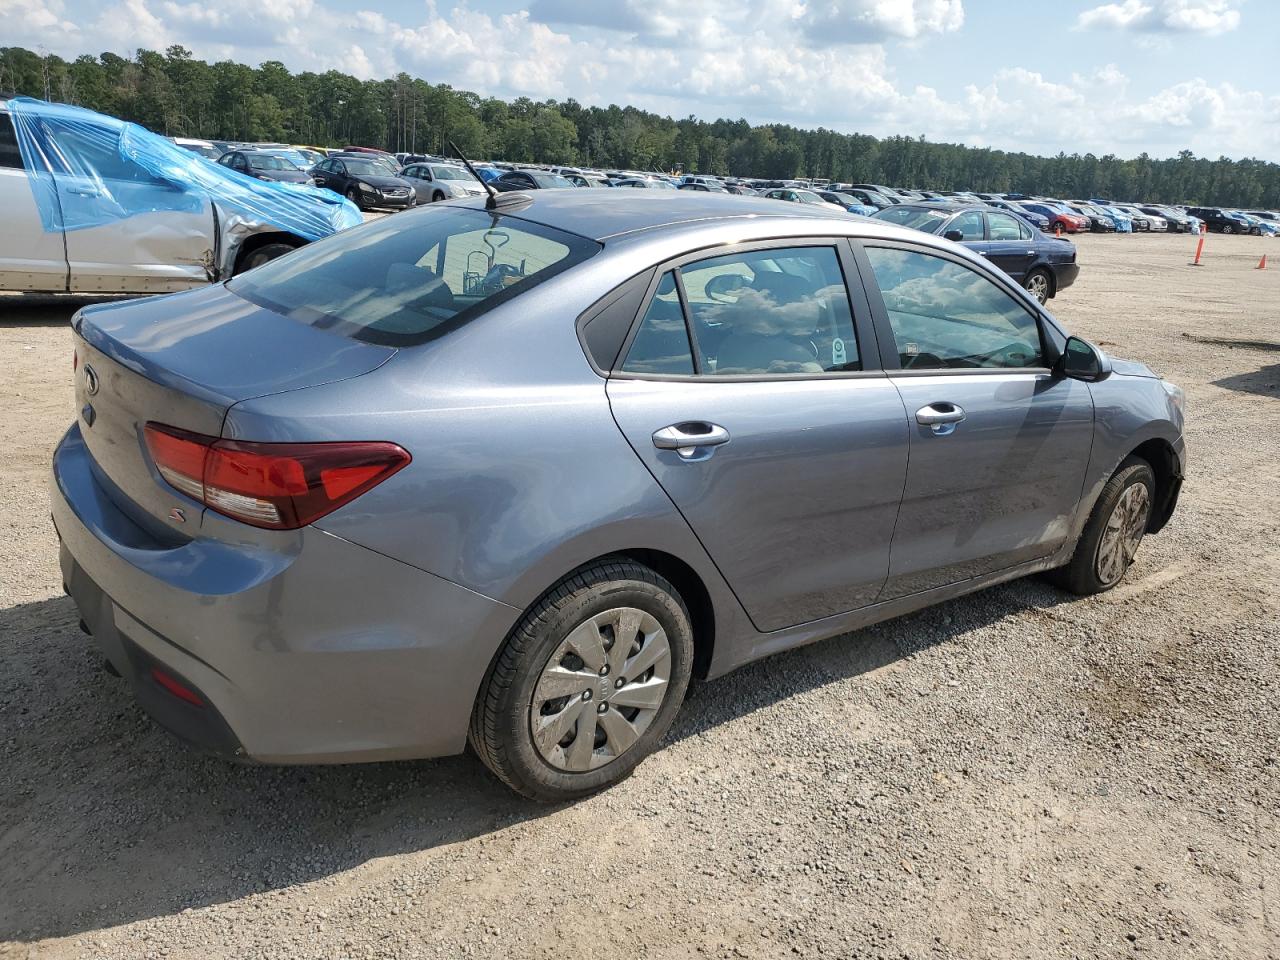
(314,650)
(1065,275)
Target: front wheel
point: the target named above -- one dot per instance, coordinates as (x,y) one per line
(264,253)
(354,196)
(437,197)
(1114,531)
(1039,284)
(587,683)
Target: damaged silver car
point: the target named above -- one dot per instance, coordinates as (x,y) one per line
(93,204)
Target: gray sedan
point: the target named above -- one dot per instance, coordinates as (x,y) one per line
(514,471)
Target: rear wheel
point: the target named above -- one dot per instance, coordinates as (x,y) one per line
(1228,228)
(1114,531)
(1039,284)
(587,683)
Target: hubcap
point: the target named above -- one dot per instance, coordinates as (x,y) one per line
(600,689)
(1125,527)
(1039,287)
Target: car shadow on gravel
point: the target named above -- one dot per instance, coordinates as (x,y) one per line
(108,820)
(1265,381)
(51,310)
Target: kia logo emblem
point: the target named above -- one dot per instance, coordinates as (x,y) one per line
(90,380)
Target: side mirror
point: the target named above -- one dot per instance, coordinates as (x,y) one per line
(954,235)
(724,287)
(1081,360)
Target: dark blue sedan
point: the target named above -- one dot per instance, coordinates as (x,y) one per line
(1042,264)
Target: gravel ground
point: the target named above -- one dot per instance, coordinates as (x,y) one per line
(1013,774)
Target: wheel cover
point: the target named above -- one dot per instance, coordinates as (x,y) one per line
(1123,533)
(1039,287)
(600,689)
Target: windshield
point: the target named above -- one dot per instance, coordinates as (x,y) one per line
(213,153)
(366,168)
(926,220)
(446,172)
(268,161)
(804,196)
(388,284)
(546,180)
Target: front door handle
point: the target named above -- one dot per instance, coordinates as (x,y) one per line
(941,417)
(83,191)
(688,437)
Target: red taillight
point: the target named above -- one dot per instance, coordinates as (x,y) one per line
(280,486)
(176,687)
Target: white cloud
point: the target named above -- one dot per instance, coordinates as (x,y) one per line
(1164,16)
(756,59)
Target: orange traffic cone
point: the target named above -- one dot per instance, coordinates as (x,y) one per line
(1057,229)
(1199,250)
(1262,264)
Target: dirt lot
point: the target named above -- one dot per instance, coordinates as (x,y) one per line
(1014,774)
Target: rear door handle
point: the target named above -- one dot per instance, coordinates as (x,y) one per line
(688,437)
(941,417)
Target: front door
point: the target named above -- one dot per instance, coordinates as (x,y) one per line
(125,230)
(744,392)
(999,444)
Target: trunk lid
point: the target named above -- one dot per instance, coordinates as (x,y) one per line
(183,360)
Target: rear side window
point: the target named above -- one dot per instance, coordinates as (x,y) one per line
(1005,227)
(662,342)
(398,285)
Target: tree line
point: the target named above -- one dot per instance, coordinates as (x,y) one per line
(175,94)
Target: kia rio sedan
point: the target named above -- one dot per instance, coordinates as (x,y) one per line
(513,472)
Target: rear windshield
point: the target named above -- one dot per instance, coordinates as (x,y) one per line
(405,279)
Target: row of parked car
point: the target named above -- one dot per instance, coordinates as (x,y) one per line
(431,178)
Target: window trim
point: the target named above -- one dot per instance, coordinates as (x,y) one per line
(864,327)
(889,359)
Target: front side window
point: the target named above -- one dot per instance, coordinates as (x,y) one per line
(948,316)
(777,311)
(968,225)
(662,342)
(392,285)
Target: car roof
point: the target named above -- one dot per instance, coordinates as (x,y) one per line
(604,216)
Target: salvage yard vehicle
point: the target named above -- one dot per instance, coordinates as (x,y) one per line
(96,205)
(265,165)
(512,471)
(365,181)
(1043,265)
(433,182)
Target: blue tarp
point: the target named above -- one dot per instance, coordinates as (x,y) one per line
(88,170)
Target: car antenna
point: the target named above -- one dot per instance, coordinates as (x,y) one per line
(492,202)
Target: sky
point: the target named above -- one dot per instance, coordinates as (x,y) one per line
(1042,76)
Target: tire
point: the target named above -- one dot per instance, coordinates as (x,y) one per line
(354,196)
(1104,551)
(437,197)
(264,253)
(1039,283)
(542,656)
(1228,228)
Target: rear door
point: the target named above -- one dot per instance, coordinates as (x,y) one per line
(126,231)
(1009,244)
(750,389)
(999,443)
(32,251)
